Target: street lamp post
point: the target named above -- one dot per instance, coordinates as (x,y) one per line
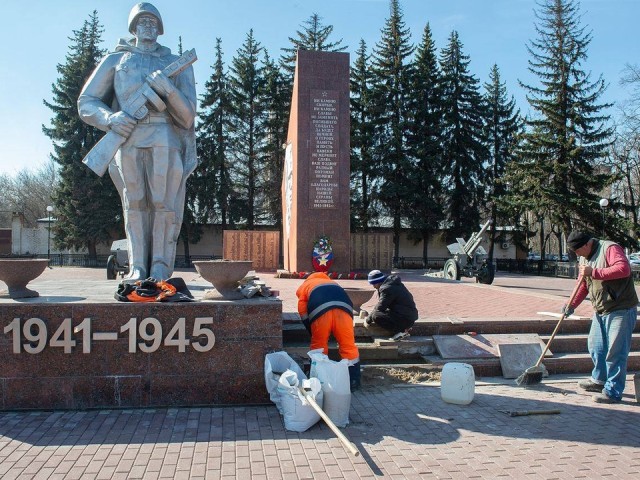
(604,203)
(49,210)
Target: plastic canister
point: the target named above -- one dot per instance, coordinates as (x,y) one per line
(457,383)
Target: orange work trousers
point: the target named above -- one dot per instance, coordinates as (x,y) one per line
(340,324)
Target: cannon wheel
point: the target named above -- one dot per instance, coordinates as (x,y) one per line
(112,268)
(451,270)
(486,274)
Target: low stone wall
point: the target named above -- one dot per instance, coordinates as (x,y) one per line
(104,355)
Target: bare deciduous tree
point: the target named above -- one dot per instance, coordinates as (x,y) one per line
(27,192)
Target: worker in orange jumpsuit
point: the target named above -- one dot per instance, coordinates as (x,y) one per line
(325,309)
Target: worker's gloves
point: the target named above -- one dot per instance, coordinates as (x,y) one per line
(567,310)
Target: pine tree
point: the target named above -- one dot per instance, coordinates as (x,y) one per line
(363,173)
(392,76)
(247,132)
(425,140)
(503,126)
(464,152)
(558,174)
(87,207)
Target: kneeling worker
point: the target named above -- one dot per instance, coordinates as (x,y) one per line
(395,311)
(325,309)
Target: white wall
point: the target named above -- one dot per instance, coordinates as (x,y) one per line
(34,241)
(31,241)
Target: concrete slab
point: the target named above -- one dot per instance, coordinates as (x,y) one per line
(451,347)
(515,358)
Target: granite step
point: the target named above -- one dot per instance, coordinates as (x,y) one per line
(569,346)
(558,364)
(577,342)
(379,350)
(295,330)
(459,326)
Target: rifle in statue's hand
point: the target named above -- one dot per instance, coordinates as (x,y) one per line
(102,153)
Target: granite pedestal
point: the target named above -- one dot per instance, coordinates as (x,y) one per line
(78,353)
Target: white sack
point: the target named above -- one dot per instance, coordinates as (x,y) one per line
(334,378)
(298,413)
(275,364)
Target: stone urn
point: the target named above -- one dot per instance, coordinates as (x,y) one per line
(224,275)
(359,296)
(17,272)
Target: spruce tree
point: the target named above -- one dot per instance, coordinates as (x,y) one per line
(86,207)
(425,141)
(558,175)
(210,185)
(247,132)
(314,37)
(392,70)
(363,171)
(464,151)
(277,100)
(503,126)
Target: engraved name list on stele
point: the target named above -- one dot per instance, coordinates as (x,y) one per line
(323,172)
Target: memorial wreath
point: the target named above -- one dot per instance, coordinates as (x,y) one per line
(322,257)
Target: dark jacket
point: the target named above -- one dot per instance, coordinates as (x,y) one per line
(396,300)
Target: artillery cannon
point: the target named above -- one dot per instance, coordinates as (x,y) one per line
(118,261)
(470,259)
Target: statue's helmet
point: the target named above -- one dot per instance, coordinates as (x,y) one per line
(142,9)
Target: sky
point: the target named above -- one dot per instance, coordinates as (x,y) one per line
(35,36)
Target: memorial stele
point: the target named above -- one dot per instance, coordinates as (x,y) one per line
(315,184)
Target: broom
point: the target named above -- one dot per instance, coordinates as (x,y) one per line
(345,441)
(533,375)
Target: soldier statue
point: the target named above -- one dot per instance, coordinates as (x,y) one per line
(144,98)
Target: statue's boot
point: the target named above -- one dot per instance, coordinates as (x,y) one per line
(163,245)
(136,223)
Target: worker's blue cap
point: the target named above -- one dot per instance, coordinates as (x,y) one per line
(375,277)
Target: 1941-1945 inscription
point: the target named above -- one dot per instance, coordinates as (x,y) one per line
(146,335)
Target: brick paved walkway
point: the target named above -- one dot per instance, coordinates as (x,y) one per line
(401,431)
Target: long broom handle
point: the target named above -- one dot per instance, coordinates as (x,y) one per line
(564,314)
(345,441)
